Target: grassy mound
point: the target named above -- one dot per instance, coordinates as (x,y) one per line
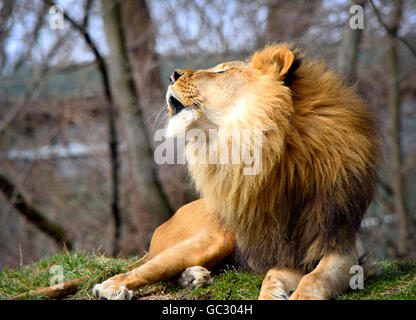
(395,280)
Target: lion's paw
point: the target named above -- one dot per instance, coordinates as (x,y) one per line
(195,277)
(306,295)
(298,296)
(277,294)
(111,291)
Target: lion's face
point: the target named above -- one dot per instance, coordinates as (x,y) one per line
(209,99)
(203,98)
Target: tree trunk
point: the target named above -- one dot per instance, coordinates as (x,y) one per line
(347,63)
(125,93)
(395,128)
(111,117)
(140,34)
(33,215)
(348,50)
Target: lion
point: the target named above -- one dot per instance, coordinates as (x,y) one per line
(296,221)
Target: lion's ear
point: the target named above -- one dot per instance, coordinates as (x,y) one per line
(278,60)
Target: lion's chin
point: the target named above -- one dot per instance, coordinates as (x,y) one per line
(179,124)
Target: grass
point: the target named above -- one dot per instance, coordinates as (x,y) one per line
(396,280)
(74,266)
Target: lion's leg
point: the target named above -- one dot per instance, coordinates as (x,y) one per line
(278,283)
(192,237)
(203,250)
(328,279)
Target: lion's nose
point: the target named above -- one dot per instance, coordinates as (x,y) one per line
(175,75)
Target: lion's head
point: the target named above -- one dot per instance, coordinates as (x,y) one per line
(319,152)
(213,98)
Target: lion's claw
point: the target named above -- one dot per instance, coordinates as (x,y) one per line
(111,292)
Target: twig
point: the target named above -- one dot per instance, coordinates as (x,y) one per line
(113,135)
(33,214)
(391,31)
(56,291)
(32,86)
(70,287)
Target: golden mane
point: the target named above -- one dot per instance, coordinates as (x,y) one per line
(319,158)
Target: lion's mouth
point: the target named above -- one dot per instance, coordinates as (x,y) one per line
(175,105)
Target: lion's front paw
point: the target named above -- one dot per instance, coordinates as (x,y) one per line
(277,294)
(195,277)
(111,291)
(311,287)
(302,293)
(302,296)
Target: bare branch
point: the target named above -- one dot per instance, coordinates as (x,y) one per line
(6,11)
(31,38)
(32,214)
(391,31)
(113,135)
(32,86)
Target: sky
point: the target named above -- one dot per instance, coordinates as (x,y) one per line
(188,23)
(164,12)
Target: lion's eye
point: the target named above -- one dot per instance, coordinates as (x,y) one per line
(221,71)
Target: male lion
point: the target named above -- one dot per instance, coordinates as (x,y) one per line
(297,220)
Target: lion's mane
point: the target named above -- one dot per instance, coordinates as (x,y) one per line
(319,158)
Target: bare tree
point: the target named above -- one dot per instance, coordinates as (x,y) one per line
(140,33)
(32,214)
(348,50)
(347,62)
(123,86)
(396,157)
(34,84)
(6,10)
(390,29)
(112,129)
(397,168)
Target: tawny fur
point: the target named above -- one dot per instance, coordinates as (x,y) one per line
(297,218)
(319,158)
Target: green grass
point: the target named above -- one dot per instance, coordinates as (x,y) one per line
(74,265)
(395,280)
